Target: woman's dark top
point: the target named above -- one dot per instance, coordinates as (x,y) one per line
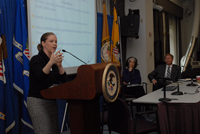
(132,76)
(38,79)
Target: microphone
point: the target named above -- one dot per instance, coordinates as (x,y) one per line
(190,84)
(73,56)
(177,92)
(166,80)
(164,89)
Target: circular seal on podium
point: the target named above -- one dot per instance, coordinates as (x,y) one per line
(110,83)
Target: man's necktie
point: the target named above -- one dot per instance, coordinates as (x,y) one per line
(168,72)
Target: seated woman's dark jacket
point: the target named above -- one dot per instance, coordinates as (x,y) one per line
(132,76)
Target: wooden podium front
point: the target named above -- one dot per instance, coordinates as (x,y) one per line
(83,96)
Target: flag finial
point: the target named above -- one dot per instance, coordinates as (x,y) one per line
(115,2)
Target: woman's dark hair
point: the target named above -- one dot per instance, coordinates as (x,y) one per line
(43,38)
(127,62)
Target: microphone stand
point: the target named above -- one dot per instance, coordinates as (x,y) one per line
(74,56)
(190,84)
(177,92)
(164,91)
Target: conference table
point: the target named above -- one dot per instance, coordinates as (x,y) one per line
(181,115)
(189,95)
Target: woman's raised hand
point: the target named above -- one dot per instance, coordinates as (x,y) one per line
(56,58)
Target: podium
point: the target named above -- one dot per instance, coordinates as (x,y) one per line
(82,95)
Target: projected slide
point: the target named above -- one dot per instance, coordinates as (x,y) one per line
(72,21)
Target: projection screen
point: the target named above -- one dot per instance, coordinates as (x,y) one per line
(74,24)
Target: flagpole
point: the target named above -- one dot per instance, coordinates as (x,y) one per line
(105,46)
(111,44)
(120,44)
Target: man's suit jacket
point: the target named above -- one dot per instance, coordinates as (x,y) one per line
(160,72)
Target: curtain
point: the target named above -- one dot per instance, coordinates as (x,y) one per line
(179,118)
(179,40)
(173,38)
(158,37)
(161,30)
(167,39)
(161,36)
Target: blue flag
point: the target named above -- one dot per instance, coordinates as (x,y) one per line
(21,62)
(2,110)
(7,120)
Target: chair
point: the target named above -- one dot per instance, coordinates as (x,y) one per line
(103,113)
(103,119)
(128,97)
(119,120)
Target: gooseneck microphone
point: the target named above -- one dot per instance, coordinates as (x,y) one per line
(164,89)
(178,92)
(190,84)
(73,56)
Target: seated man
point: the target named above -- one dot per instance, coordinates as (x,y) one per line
(167,70)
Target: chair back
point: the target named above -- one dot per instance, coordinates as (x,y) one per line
(119,116)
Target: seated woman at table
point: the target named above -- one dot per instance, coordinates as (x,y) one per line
(131,75)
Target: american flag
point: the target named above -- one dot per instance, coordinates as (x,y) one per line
(115,50)
(1,72)
(26,52)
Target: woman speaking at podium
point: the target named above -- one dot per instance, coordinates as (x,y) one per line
(46,70)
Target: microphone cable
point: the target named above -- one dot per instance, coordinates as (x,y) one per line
(196,91)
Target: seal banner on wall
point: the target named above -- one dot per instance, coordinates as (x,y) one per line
(110,83)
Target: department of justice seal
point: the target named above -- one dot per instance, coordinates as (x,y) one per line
(110,83)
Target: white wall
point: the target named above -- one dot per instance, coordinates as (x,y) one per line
(142,48)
